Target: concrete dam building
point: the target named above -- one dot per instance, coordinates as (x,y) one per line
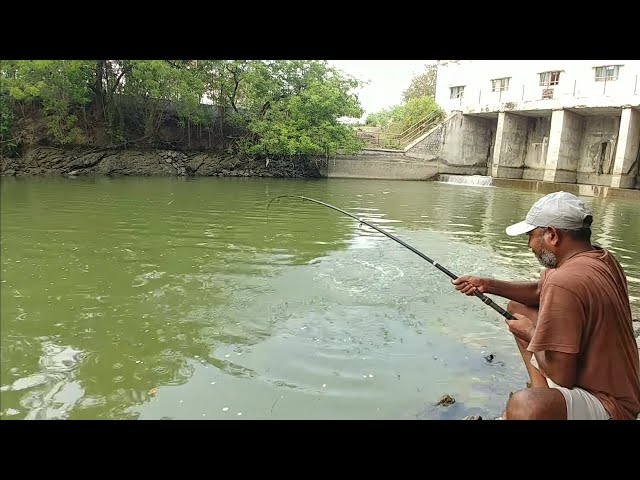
(534,123)
(573,121)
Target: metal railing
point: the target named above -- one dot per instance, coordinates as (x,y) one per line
(385,137)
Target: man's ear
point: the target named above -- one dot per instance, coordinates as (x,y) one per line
(552,235)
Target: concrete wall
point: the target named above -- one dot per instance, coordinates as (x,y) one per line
(391,166)
(461,140)
(469,141)
(537,146)
(510,146)
(577,85)
(574,149)
(638,163)
(430,145)
(627,157)
(597,150)
(572,132)
(564,146)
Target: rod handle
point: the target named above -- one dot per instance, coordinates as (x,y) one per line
(494,305)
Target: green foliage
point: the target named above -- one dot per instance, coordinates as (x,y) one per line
(294,106)
(286,108)
(7,141)
(59,86)
(384,117)
(7,118)
(417,113)
(162,88)
(424,85)
(414,111)
(399,118)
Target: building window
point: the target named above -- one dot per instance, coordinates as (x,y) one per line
(549,78)
(500,84)
(547,93)
(607,73)
(457,92)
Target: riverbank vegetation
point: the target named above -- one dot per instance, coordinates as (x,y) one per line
(254,108)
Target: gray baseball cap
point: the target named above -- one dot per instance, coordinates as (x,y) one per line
(558,209)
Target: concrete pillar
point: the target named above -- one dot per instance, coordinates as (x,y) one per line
(465,145)
(510,147)
(563,152)
(625,167)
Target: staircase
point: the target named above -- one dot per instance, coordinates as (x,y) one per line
(385,138)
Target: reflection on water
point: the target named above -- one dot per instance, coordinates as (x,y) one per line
(52,392)
(180,298)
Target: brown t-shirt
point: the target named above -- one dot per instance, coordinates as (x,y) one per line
(584,309)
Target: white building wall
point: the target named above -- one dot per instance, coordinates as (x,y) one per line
(577,86)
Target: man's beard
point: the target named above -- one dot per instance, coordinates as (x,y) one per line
(547,259)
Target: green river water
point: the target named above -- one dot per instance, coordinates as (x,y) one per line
(174,298)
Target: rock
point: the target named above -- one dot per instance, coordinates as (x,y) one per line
(472,417)
(130,161)
(446,400)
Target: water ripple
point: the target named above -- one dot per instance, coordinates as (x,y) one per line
(159,298)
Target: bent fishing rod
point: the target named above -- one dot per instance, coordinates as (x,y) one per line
(481,296)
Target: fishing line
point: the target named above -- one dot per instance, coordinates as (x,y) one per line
(486,300)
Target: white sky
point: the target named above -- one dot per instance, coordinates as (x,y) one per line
(388,79)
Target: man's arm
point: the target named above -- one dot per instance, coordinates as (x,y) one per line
(556,340)
(558,366)
(527,293)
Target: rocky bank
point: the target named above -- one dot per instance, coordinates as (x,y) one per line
(114,162)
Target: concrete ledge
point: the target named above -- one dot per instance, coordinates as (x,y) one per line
(533,174)
(565,176)
(583,190)
(624,181)
(445,168)
(507,172)
(380,169)
(593,179)
(380,151)
(417,157)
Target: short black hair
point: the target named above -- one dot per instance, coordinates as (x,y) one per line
(581,234)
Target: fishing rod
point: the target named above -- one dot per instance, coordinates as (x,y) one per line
(481,296)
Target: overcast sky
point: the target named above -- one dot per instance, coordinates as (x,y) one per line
(388,79)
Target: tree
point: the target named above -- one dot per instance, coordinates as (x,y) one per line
(59,87)
(424,85)
(278,108)
(422,109)
(384,117)
(294,107)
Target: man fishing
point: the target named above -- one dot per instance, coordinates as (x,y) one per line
(573,327)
